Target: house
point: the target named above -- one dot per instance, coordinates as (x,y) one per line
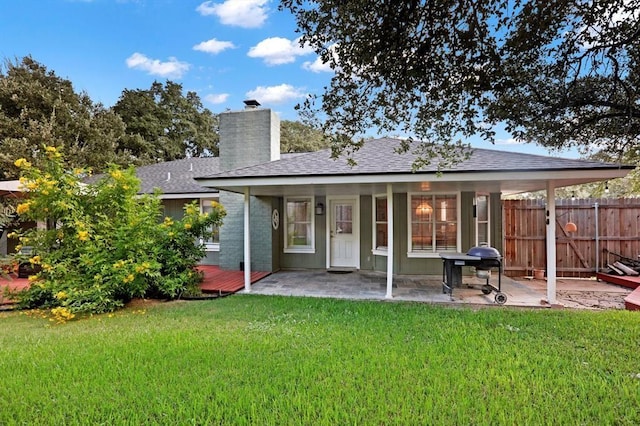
(314,212)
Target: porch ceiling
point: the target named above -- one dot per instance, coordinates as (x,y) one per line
(505,183)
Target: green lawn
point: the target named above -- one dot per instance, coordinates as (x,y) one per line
(273,361)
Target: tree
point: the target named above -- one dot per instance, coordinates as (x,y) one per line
(162,124)
(557,73)
(37,108)
(299,137)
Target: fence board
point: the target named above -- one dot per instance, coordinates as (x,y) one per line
(578,254)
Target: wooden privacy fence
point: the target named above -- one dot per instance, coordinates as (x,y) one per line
(605,228)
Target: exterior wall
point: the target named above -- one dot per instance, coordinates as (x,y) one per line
(367,259)
(316,260)
(405,265)
(247,137)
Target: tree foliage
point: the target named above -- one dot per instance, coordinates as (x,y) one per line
(104,243)
(162,124)
(558,73)
(299,137)
(37,108)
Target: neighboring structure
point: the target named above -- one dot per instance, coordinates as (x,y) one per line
(174,180)
(314,212)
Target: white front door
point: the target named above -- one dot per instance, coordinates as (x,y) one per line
(344,237)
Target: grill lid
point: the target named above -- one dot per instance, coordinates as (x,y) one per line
(484,252)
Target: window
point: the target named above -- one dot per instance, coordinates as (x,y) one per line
(482,220)
(380,236)
(211,240)
(433,223)
(299,225)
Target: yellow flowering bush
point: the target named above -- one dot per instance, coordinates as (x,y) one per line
(22,163)
(108,244)
(23,208)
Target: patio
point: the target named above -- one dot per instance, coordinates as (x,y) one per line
(360,285)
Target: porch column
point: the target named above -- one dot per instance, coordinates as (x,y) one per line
(551,243)
(389,241)
(247,241)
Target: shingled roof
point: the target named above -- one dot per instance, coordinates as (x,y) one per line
(378,156)
(177,177)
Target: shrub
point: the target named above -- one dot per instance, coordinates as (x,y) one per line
(103,243)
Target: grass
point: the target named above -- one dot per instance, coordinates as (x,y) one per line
(248,359)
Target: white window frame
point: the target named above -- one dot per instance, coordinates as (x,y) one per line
(209,246)
(478,222)
(432,254)
(285,228)
(380,251)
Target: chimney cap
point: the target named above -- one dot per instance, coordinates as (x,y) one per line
(251,103)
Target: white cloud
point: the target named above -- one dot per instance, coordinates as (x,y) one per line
(173,68)
(278,50)
(239,13)
(509,141)
(219,98)
(317,66)
(276,94)
(213,46)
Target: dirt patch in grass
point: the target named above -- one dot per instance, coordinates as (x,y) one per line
(140,303)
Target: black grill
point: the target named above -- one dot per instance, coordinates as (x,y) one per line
(482,258)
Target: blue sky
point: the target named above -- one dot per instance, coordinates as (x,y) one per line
(224,50)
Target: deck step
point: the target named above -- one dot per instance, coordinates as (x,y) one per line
(625,280)
(632,301)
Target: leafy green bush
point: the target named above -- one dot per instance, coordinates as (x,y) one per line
(103,243)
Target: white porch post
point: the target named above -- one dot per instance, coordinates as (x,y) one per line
(247,241)
(551,243)
(389,241)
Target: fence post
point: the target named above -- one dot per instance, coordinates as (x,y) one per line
(597,238)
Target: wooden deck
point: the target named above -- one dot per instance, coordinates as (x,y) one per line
(632,301)
(218,280)
(623,280)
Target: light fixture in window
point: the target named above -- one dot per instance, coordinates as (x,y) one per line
(424,209)
(573,195)
(606,187)
(319,209)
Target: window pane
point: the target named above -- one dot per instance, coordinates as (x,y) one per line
(381,240)
(483,233)
(482,208)
(422,236)
(434,216)
(446,208)
(446,237)
(421,209)
(344,219)
(381,235)
(212,234)
(299,230)
(299,234)
(381,209)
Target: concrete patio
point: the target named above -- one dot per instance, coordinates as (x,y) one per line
(360,285)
